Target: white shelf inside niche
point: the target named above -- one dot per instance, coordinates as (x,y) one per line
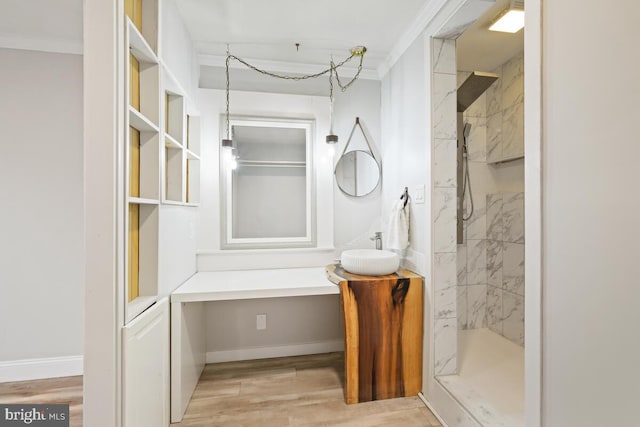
(138,44)
(175,116)
(170,142)
(191,155)
(140,122)
(173,203)
(143,201)
(506,160)
(149,75)
(149,24)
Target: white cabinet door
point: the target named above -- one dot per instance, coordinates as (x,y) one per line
(146,368)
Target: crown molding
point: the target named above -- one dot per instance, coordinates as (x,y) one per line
(281,66)
(417,27)
(41,44)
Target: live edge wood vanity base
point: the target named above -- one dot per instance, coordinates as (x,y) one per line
(383,334)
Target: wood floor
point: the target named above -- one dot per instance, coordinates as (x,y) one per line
(57,390)
(289,391)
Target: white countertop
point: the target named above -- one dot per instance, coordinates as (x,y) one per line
(252,284)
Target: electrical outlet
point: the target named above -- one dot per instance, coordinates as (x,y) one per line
(261,322)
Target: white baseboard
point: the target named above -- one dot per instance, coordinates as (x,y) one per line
(276,351)
(36,369)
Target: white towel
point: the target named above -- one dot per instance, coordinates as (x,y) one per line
(398,227)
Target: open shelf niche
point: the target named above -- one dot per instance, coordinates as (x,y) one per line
(144,16)
(192,196)
(181,154)
(142,155)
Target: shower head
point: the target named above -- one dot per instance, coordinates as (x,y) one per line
(466,130)
(472,88)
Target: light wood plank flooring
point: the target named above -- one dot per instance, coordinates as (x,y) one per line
(289,391)
(56,390)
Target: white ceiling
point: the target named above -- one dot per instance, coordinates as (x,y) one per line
(479,49)
(51,25)
(261,29)
(268,30)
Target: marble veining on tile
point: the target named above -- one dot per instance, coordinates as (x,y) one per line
(513,81)
(513,317)
(513,268)
(494,216)
(476,262)
(444,106)
(513,217)
(444,219)
(477,224)
(444,163)
(445,272)
(477,139)
(444,56)
(494,95)
(461,263)
(494,137)
(494,309)
(495,263)
(445,303)
(446,346)
(513,131)
(476,306)
(478,109)
(462,315)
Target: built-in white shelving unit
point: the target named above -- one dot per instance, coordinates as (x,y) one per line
(161,153)
(158,172)
(181,172)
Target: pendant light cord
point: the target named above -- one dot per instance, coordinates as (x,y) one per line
(332,71)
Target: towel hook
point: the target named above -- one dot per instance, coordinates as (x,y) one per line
(405,196)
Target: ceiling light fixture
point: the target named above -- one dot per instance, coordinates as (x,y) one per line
(511,20)
(331,138)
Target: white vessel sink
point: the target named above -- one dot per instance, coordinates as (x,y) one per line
(369,262)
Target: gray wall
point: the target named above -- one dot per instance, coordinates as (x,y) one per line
(41,182)
(590,152)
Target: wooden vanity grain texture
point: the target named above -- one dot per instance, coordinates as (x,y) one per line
(383,333)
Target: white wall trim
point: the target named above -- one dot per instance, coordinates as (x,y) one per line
(275,351)
(255,259)
(36,369)
(533,104)
(53,45)
(424,17)
(282,66)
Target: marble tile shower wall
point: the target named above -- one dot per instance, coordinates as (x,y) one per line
(505,265)
(490,262)
(471,262)
(505,112)
(490,268)
(443,110)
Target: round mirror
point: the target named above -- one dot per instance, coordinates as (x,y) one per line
(357,173)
